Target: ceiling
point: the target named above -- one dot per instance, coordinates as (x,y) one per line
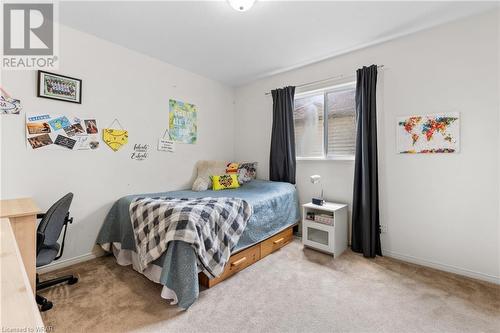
(211,39)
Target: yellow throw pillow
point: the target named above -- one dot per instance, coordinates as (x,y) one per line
(225,182)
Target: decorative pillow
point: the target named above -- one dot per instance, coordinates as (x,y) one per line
(205,169)
(224,182)
(232,167)
(247,172)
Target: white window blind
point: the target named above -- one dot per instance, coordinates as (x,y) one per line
(326,131)
(341,122)
(309,127)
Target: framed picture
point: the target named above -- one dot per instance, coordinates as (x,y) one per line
(59,87)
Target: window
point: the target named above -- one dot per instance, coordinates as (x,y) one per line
(308,123)
(325,123)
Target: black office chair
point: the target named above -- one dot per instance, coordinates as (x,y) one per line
(47,248)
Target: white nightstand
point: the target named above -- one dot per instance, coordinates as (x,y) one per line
(331,237)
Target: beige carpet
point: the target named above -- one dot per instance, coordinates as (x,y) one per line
(292,290)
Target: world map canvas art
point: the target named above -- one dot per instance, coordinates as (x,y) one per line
(428,134)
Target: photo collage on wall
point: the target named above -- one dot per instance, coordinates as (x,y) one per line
(65,132)
(45,131)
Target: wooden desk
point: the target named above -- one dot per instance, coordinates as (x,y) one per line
(18,309)
(21,214)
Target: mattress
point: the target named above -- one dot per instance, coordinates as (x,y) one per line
(275,207)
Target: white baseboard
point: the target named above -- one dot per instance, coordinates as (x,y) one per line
(442,267)
(70,261)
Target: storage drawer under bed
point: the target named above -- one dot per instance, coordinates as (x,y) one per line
(276,242)
(247,257)
(236,263)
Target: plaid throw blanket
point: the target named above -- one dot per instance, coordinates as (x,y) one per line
(212,226)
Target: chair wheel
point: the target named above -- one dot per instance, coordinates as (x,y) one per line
(46,305)
(73,280)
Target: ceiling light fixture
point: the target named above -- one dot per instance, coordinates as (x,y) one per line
(241,5)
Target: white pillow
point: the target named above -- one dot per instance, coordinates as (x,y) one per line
(205,170)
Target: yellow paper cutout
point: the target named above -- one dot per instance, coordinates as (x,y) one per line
(115,138)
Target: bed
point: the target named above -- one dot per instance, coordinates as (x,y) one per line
(275,211)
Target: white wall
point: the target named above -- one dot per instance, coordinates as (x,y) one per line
(441,210)
(134,88)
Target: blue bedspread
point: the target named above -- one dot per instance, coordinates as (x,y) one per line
(275,207)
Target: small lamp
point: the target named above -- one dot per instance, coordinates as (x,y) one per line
(316,179)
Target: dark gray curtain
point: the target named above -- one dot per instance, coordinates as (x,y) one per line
(282,161)
(365,212)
